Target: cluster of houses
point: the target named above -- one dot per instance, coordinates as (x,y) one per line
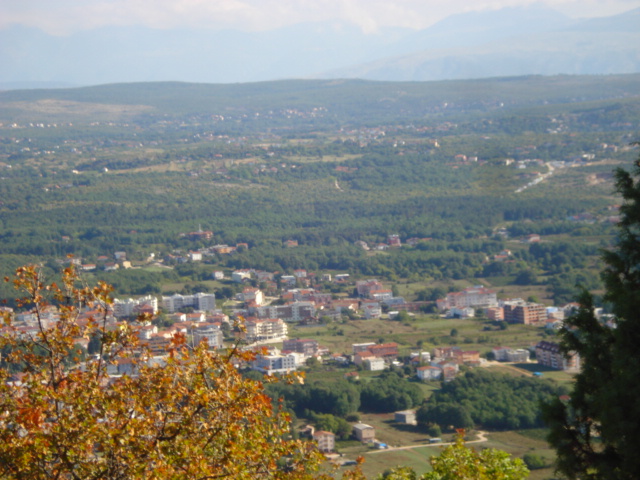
(268,324)
(464,304)
(393,241)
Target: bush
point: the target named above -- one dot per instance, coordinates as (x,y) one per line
(534,461)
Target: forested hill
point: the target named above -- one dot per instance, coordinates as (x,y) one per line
(342,99)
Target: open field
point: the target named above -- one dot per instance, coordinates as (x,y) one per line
(472,334)
(417,457)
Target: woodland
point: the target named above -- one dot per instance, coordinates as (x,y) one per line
(95,170)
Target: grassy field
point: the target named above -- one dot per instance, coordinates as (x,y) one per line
(377,461)
(422,331)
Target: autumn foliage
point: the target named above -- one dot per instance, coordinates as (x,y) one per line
(192,416)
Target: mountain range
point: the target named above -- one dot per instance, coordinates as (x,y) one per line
(508,42)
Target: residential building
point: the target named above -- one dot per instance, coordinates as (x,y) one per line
(500,353)
(457,312)
(211,333)
(265,329)
(240,276)
(130,307)
(374,364)
(388,351)
(525,313)
(362,347)
(326,441)
(205,302)
(478,297)
(157,344)
(429,372)
(365,287)
(372,310)
(550,355)
(292,312)
(270,364)
(363,432)
(519,355)
(405,416)
(253,295)
(307,347)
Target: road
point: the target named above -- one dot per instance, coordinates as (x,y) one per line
(482,437)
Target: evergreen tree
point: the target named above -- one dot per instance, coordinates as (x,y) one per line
(597,431)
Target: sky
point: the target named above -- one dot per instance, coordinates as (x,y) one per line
(64,17)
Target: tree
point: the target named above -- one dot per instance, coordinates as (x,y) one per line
(193,417)
(459,462)
(596,433)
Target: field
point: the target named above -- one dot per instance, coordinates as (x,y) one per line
(399,437)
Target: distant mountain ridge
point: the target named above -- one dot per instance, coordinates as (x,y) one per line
(512,41)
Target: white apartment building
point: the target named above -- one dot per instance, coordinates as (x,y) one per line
(478,296)
(130,306)
(205,302)
(271,364)
(265,329)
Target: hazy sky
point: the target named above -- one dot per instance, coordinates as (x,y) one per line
(66,16)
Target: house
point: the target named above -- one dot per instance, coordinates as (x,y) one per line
(372,310)
(364,433)
(466,312)
(240,276)
(429,372)
(288,280)
(326,441)
(500,353)
(374,364)
(405,416)
(365,287)
(195,256)
(352,376)
(361,347)
(519,355)
(253,295)
(532,238)
(341,278)
(388,351)
(394,240)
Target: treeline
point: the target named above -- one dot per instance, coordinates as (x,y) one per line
(387,393)
(489,400)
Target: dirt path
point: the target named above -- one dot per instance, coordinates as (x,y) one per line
(482,437)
